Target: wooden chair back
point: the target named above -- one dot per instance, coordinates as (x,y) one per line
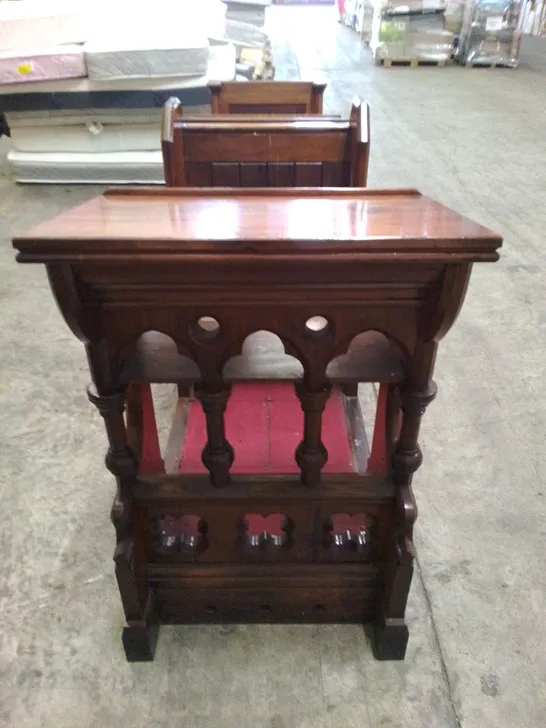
(266,97)
(265,151)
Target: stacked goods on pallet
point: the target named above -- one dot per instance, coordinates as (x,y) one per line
(454,16)
(533,18)
(410,31)
(490,35)
(358,15)
(244,28)
(247,11)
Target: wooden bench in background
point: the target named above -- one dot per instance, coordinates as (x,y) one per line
(266,97)
(265,151)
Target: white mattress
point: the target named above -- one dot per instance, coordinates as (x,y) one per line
(220,67)
(92,136)
(41,64)
(136,57)
(36,23)
(247,11)
(93,131)
(61,168)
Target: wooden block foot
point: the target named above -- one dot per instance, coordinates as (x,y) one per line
(139,643)
(390,639)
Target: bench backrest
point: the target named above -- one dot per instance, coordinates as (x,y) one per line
(265,151)
(266,97)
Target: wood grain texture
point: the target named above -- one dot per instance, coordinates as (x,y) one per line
(384,226)
(268,140)
(267,97)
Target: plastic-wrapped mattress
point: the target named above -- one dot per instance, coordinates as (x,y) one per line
(66,168)
(145,57)
(41,64)
(126,93)
(84,131)
(90,131)
(247,11)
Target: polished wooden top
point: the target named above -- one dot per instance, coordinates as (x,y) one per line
(376,225)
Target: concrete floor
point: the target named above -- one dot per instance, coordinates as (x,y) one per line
(477,653)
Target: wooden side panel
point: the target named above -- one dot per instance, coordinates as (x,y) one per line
(198,174)
(334,174)
(261,146)
(253,175)
(271,108)
(226,175)
(281,174)
(308,175)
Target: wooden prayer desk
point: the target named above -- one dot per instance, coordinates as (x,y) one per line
(170,285)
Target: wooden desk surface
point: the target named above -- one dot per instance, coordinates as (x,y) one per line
(375,225)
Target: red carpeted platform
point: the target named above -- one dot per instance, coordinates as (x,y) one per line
(264,424)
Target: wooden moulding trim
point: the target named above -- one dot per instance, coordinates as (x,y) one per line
(266,488)
(259,192)
(222,576)
(258,123)
(155,252)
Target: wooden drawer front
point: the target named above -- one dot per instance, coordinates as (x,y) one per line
(266,605)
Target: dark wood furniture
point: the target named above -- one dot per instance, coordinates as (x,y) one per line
(266,97)
(165,285)
(262,151)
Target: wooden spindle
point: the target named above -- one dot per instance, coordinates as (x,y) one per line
(311,455)
(390,629)
(218,454)
(407,456)
(120,459)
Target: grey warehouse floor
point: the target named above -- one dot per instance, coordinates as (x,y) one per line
(474,139)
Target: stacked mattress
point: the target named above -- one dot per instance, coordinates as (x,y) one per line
(41,41)
(100,131)
(248,11)
(88,108)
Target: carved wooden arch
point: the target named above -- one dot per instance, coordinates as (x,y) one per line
(238,350)
(343,346)
(289,346)
(126,350)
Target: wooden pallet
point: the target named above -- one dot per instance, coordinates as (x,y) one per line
(488,65)
(411,62)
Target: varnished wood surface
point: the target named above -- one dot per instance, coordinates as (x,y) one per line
(265,150)
(378,224)
(345,487)
(267,97)
(383,272)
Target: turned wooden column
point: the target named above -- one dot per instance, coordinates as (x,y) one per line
(311,455)
(120,459)
(407,457)
(217,454)
(139,637)
(390,629)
